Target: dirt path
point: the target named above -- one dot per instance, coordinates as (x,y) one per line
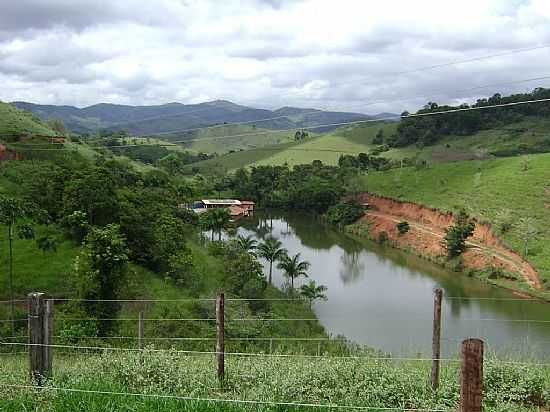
(427,231)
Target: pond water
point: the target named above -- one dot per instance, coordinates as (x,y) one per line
(383,297)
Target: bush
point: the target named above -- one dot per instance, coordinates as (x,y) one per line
(383,238)
(456,235)
(344,213)
(403,227)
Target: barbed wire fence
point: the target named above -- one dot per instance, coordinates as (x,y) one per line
(41,341)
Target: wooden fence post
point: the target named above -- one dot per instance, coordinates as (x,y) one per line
(141,331)
(220,334)
(40,355)
(48,333)
(471,380)
(436,339)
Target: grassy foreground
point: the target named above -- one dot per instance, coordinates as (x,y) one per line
(347,382)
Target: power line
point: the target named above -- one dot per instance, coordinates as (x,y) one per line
(412,115)
(431,67)
(314,111)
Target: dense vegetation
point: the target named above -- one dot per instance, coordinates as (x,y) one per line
(427,130)
(113,232)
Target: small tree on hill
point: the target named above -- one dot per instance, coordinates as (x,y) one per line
(456,235)
(311,292)
(527,232)
(379,138)
(403,227)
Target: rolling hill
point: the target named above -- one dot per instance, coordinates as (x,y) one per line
(16,122)
(166,118)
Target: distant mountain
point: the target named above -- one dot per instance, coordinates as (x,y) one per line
(177,117)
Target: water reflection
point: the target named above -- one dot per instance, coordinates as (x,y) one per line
(383,297)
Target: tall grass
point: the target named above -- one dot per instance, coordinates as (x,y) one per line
(351,382)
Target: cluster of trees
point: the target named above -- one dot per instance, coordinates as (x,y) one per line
(344,213)
(293,267)
(427,130)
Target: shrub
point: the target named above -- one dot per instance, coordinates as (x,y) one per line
(456,235)
(383,238)
(344,213)
(403,227)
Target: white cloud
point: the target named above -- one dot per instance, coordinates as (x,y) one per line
(315,53)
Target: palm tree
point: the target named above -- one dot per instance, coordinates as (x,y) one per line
(294,267)
(221,218)
(215,220)
(271,250)
(312,292)
(247,243)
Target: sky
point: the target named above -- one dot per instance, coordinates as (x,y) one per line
(353,55)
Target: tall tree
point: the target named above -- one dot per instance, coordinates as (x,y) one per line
(312,292)
(271,250)
(13,213)
(293,267)
(100,271)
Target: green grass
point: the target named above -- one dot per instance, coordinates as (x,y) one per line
(15,122)
(483,188)
(350,382)
(214,140)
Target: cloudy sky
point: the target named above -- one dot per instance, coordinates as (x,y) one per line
(357,55)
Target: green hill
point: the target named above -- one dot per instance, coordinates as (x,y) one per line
(15,122)
(499,191)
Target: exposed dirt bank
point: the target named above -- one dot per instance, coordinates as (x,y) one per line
(427,228)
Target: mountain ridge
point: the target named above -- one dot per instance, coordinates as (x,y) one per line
(173,117)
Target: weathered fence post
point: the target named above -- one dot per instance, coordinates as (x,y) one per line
(436,338)
(141,331)
(471,380)
(48,334)
(220,334)
(40,355)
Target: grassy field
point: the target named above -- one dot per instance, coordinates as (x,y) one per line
(522,137)
(14,122)
(518,186)
(403,385)
(246,137)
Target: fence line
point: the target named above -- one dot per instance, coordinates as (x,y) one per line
(495,299)
(191,319)
(175,300)
(251,354)
(263,338)
(220,400)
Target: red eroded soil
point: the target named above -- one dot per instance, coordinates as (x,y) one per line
(427,228)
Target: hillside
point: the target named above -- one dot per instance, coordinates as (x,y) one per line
(150,120)
(17,122)
(499,191)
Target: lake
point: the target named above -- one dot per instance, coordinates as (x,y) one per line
(383,297)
